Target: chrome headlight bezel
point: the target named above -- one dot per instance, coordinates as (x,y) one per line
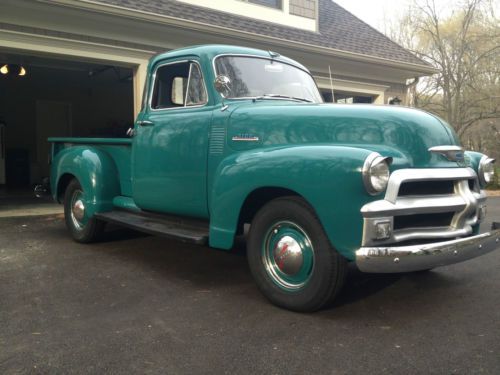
(376,173)
(486,170)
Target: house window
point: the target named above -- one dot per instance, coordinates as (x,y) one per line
(303,8)
(278,4)
(346,98)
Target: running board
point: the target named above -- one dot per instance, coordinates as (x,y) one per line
(185,230)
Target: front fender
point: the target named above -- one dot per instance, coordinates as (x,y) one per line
(95,170)
(328,177)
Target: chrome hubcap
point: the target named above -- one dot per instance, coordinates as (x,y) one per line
(288,255)
(77,209)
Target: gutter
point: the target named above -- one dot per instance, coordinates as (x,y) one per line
(245,35)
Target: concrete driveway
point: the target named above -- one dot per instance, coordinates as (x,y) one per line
(139,304)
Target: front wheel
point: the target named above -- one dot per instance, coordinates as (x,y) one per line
(291,258)
(83,228)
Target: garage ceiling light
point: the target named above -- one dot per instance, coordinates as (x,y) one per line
(18,70)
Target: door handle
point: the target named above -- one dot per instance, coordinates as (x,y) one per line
(145,123)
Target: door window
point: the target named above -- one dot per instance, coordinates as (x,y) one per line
(178,85)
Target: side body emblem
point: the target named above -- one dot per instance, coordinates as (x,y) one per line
(245,138)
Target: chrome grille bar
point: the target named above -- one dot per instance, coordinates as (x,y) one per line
(405,175)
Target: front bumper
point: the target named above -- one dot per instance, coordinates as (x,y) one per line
(427,256)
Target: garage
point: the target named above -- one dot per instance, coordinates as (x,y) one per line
(51,95)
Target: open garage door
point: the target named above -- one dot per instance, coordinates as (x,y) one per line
(42,97)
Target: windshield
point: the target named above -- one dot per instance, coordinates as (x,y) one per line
(261,78)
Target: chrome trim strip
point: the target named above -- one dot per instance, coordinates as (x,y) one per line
(414,205)
(423,257)
(430,233)
(423,233)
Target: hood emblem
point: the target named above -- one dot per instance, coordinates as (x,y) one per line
(451,153)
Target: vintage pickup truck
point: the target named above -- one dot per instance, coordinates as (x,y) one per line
(230,136)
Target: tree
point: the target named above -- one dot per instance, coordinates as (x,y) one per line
(463,43)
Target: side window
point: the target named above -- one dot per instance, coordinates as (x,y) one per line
(178,85)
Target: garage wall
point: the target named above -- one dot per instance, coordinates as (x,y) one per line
(99,105)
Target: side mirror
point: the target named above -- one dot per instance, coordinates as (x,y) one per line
(223,85)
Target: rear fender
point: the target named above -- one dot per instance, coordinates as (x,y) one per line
(94,169)
(327,177)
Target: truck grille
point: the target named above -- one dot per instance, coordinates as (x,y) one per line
(432,187)
(426,187)
(423,204)
(423,220)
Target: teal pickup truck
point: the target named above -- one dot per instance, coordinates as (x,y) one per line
(232,140)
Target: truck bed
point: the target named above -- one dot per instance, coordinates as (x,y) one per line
(119,149)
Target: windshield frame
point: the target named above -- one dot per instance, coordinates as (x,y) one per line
(264,58)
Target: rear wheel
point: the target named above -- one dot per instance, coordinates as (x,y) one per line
(83,228)
(291,258)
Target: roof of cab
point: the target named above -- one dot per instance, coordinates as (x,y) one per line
(212,50)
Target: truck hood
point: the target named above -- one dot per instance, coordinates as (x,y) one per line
(404,134)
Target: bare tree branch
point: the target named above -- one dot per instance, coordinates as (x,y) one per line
(465,46)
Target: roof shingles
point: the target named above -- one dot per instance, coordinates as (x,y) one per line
(338,29)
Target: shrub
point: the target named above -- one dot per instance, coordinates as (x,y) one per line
(495,183)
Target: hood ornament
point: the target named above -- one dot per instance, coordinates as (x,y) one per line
(451,152)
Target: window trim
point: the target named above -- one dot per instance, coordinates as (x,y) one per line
(153,79)
(264,58)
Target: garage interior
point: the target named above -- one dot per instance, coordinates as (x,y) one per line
(55,97)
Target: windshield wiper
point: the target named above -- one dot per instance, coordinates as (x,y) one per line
(278,96)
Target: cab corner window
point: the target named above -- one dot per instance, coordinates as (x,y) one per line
(178,85)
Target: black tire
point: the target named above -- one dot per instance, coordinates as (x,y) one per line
(311,286)
(87,229)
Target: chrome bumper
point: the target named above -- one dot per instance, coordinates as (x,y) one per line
(422,257)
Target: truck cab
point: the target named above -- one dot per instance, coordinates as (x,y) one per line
(229,136)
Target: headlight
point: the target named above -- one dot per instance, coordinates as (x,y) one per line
(486,170)
(376,173)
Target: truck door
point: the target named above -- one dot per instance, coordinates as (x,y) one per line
(169,158)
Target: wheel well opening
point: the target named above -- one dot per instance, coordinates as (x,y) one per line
(258,198)
(62,185)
